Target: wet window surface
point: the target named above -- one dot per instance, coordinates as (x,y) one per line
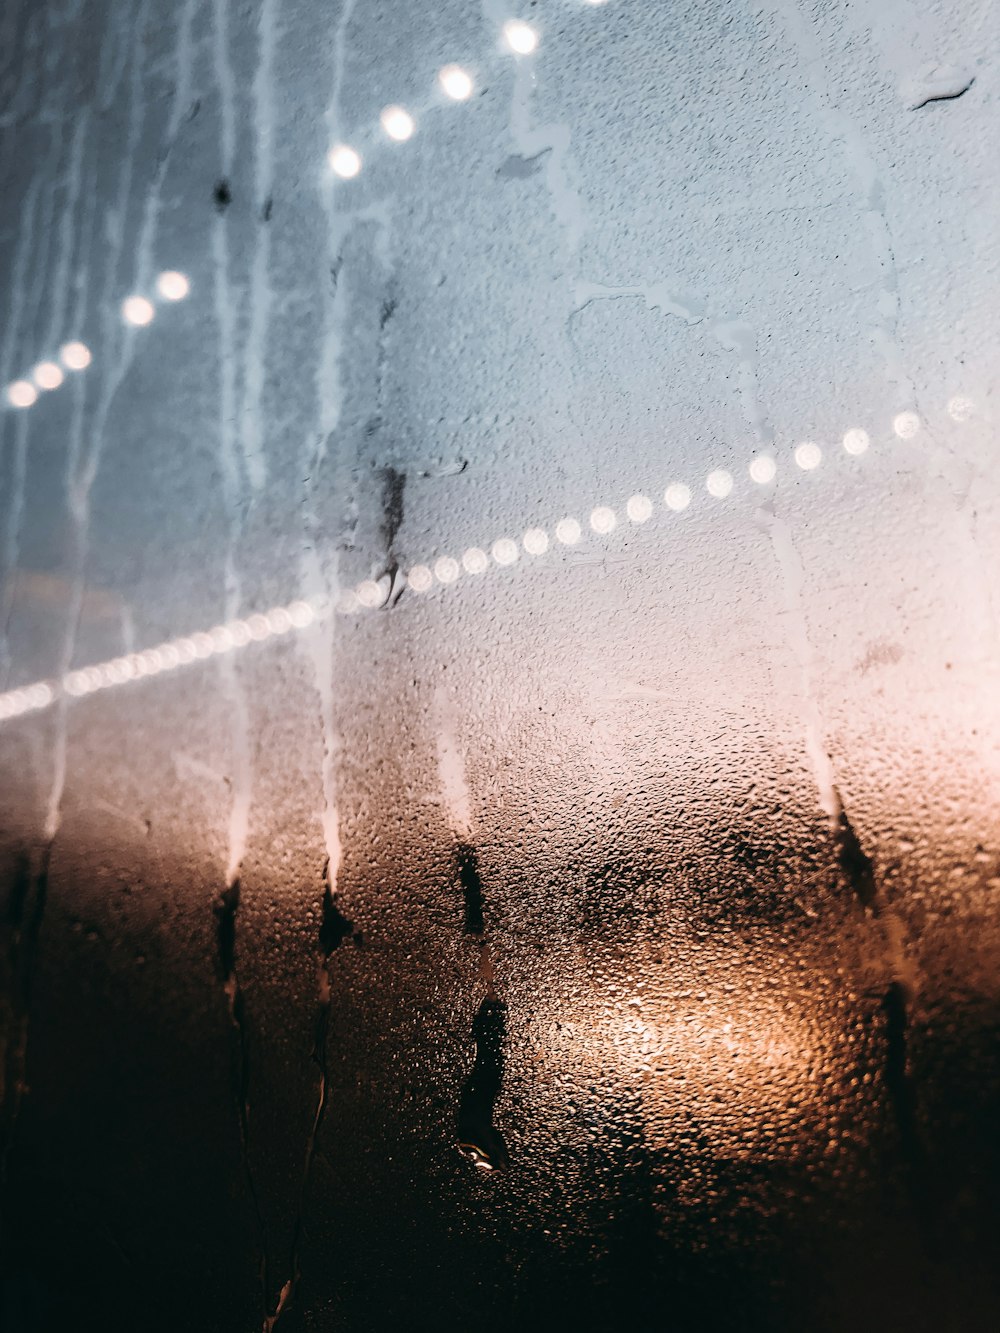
(499,748)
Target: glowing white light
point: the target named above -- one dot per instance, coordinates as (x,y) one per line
(397,123)
(856,440)
(279,621)
(455,83)
(808,455)
(535,541)
(203,646)
(446,570)
(960,408)
(505,551)
(369,594)
(258,627)
(170,656)
(475,561)
(138,311)
(222,639)
(344,161)
(906,424)
(521,38)
(719,483)
(639,508)
(173,286)
(47,375)
(677,496)
(762,469)
(21,394)
(420,578)
(151,661)
(301,614)
(75,355)
(75,684)
(120,669)
(41,696)
(239,632)
(568,531)
(603,519)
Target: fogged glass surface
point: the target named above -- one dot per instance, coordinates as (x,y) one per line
(499,758)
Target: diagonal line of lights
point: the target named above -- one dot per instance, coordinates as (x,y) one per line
(445,571)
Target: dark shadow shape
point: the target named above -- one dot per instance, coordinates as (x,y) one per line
(478,1138)
(472,889)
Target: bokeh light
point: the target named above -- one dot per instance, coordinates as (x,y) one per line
(677,496)
(173,286)
(719,483)
(138,311)
(856,441)
(762,469)
(446,569)
(21,393)
(535,541)
(568,531)
(397,123)
(960,408)
(808,455)
(455,83)
(344,161)
(475,561)
(75,355)
(602,519)
(521,37)
(906,424)
(505,551)
(47,375)
(639,508)
(420,578)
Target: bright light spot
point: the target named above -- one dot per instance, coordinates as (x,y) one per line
(239,632)
(203,646)
(75,684)
(719,483)
(568,531)
(173,286)
(960,408)
(762,469)
(505,551)
(639,508)
(170,656)
(75,356)
(906,424)
(47,375)
(301,614)
(677,496)
(536,541)
(520,37)
(603,519)
(475,561)
(446,570)
(344,161)
(420,578)
(258,627)
(222,639)
(151,661)
(41,696)
(21,394)
(347,603)
(369,594)
(455,83)
(138,311)
(856,440)
(120,669)
(185,651)
(279,622)
(397,123)
(808,455)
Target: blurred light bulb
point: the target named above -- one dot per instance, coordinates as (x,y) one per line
(856,440)
(906,425)
(639,508)
(21,394)
(505,551)
(455,83)
(173,286)
(808,455)
(475,561)
(536,541)
(47,375)
(420,578)
(446,569)
(677,496)
(75,355)
(344,161)
(762,469)
(138,311)
(521,38)
(397,123)
(568,531)
(719,483)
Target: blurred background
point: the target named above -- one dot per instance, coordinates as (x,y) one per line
(499,748)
